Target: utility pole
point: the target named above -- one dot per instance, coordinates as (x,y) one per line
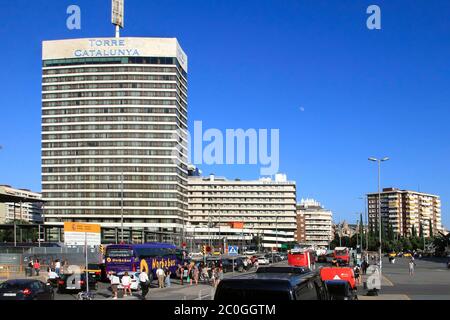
(121,207)
(379,205)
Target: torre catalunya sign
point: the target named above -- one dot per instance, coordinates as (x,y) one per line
(106,48)
(114,47)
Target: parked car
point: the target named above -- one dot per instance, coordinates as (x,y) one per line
(262,260)
(74,283)
(95,271)
(274,284)
(227,265)
(24,289)
(249,252)
(135,286)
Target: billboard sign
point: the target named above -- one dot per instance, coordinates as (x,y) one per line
(76,234)
(117,13)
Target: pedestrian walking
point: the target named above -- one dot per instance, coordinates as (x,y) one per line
(214,277)
(219,275)
(29,268)
(190,275)
(411,264)
(144,281)
(115,281)
(57,266)
(37,267)
(357,271)
(168,273)
(126,284)
(196,274)
(160,275)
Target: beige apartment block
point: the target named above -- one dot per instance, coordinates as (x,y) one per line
(404,210)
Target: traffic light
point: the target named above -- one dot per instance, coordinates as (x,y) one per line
(102,249)
(204,250)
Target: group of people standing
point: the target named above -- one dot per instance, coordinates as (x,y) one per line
(33,265)
(200,272)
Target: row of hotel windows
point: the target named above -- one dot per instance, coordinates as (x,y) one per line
(102,94)
(205,214)
(113,212)
(91,203)
(242,206)
(117,102)
(115,195)
(114,60)
(111,170)
(261,191)
(118,152)
(126,161)
(109,69)
(266,199)
(112,118)
(91,177)
(116,110)
(109,186)
(242,187)
(115,85)
(117,77)
(91,144)
(112,135)
(128,70)
(110,127)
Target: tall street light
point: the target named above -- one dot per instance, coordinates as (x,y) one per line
(379,202)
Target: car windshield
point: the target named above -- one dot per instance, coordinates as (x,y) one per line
(341,252)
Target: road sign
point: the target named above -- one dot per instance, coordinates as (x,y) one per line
(233,250)
(78,234)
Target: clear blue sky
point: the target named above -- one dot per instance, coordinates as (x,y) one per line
(258,64)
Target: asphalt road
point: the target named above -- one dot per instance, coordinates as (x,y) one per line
(431,280)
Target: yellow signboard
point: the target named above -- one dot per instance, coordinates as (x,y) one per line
(81,227)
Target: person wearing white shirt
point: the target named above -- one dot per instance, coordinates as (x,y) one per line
(57,266)
(115,281)
(145,283)
(126,283)
(160,274)
(52,274)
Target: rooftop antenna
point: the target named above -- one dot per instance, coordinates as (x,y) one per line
(117,15)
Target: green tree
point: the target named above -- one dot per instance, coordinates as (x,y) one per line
(421,230)
(431,228)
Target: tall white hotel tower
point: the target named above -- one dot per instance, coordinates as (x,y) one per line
(114,152)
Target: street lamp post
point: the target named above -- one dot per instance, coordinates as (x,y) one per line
(379,202)
(121,207)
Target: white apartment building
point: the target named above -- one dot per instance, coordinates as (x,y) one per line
(315,225)
(404,210)
(262,208)
(23,211)
(114,123)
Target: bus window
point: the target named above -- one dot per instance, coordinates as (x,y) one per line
(119,253)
